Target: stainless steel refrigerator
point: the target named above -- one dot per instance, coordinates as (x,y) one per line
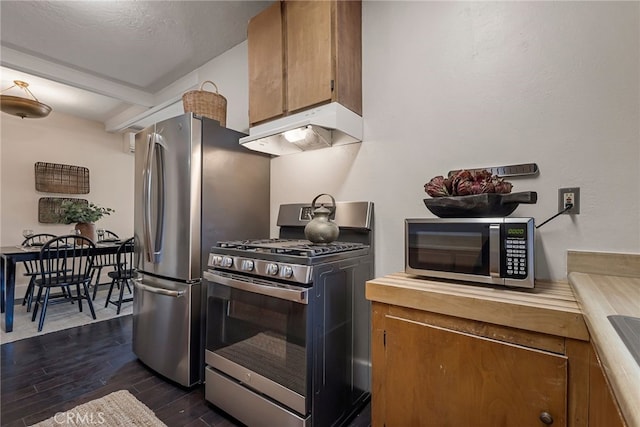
(194,185)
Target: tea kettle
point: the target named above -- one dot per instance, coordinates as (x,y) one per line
(321,229)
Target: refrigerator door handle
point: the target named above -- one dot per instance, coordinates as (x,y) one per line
(155,156)
(161,291)
(146,196)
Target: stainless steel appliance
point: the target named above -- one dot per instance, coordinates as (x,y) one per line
(497,251)
(194,185)
(288,325)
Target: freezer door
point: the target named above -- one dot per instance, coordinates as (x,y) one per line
(166,328)
(167,198)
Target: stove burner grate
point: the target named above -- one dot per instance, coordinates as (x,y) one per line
(290,247)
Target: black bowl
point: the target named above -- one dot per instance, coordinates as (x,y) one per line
(479,205)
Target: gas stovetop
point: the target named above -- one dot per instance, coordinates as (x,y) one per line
(292,247)
(284,259)
(292,258)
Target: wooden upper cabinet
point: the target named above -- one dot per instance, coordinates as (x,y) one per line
(309,53)
(266,56)
(303,54)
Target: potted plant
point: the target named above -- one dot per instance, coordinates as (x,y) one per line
(83,214)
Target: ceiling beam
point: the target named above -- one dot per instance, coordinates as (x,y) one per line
(26,63)
(168,104)
(168,108)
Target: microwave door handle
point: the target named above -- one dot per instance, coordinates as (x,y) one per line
(494,250)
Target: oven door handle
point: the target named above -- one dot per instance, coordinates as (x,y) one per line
(289,293)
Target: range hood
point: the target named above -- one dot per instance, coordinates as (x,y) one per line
(319,127)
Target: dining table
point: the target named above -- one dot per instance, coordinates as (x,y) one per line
(10,256)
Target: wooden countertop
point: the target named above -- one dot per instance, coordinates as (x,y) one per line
(548,308)
(601,292)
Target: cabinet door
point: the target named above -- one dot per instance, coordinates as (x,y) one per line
(309,53)
(266,58)
(603,409)
(438,377)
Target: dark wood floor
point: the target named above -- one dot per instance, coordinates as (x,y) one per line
(58,371)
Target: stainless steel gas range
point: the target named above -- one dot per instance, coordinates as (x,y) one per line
(288,325)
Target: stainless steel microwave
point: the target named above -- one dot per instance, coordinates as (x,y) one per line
(498,251)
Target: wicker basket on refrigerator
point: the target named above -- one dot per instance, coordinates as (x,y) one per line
(207,104)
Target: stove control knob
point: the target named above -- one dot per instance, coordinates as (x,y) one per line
(247,265)
(287,271)
(226,262)
(272,269)
(216,260)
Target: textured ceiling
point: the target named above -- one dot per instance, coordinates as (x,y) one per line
(141,45)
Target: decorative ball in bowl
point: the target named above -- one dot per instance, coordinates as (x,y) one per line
(471,194)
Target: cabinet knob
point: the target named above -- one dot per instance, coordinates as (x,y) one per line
(546,418)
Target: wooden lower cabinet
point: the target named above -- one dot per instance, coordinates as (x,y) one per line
(437,370)
(603,410)
(454,355)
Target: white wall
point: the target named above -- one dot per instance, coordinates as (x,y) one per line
(230,72)
(60,138)
(450,85)
(227,71)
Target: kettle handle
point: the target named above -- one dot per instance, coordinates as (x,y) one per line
(333,202)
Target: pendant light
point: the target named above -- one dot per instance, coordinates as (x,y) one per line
(23,107)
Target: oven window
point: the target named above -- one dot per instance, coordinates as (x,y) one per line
(456,248)
(264,334)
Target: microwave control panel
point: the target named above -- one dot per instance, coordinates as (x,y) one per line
(515,251)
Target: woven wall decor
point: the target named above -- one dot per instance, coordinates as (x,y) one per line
(58,178)
(49,208)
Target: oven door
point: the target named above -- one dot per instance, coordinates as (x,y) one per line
(257,333)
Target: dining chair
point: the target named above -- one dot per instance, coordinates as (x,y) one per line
(107,236)
(103,260)
(123,274)
(65,262)
(31,266)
